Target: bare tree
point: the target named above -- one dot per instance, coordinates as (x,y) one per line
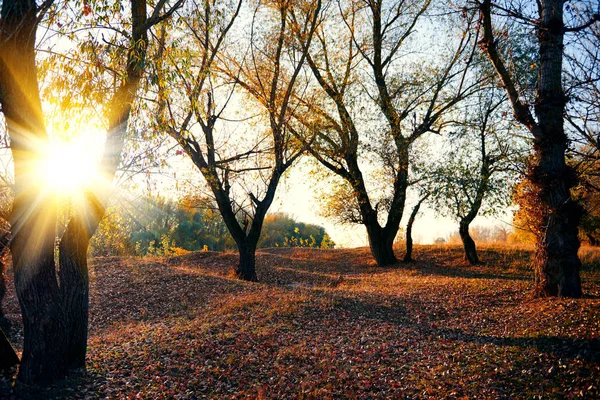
(410,103)
(269,74)
(475,174)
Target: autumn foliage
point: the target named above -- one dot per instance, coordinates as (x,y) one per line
(331,324)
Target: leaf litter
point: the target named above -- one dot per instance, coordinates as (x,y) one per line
(328,324)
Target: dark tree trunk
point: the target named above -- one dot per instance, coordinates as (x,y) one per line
(409,244)
(409,225)
(246,269)
(8,356)
(33,218)
(5,323)
(73,272)
(593,241)
(468,243)
(38,293)
(4,243)
(74,285)
(556,263)
(2,287)
(381,243)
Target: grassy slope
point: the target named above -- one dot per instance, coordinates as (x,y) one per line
(329,323)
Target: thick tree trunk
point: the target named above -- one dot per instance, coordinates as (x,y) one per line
(556,263)
(33,218)
(5,323)
(2,288)
(382,245)
(37,289)
(41,309)
(74,285)
(4,243)
(468,243)
(246,269)
(8,356)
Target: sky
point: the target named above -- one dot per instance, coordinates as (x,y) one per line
(298,196)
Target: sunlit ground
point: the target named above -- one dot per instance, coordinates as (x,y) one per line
(330,324)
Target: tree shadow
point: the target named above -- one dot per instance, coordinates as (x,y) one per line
(585,349)
(396,311)
(113,286)
(77,384)
(487,270)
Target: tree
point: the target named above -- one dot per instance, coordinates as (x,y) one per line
(474,176)
(269,76)
(556,263)
(34,215)
(409,225)
(281,230)
(55,317)
(407,101)
(5,206)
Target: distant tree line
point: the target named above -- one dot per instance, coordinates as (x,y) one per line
(158,226)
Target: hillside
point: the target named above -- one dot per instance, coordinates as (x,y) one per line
(330,324)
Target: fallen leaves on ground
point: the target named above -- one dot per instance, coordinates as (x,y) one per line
(331,324)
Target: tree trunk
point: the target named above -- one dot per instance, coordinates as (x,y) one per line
(8,356)
(381,244)
(74,285)
(4,243)
(2,287)
(38,293)
(5,323)
(246,269)
(33,218)
(468,243)
(556,263)
(409,244)
(409,225)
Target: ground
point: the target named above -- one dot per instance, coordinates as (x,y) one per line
(330,324)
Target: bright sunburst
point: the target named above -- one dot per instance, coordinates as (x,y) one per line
(67,168)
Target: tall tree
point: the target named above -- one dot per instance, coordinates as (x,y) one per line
(74,243)
(556,263)
(404,100)
(34,212)
(55,317)
(269,75)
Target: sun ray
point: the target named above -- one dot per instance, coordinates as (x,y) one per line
(69,168)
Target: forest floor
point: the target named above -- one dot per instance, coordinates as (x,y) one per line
(331,324)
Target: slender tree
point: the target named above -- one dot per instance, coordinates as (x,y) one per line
(269,75)
(556,263)
(409,226)
(73,246)
(475,175)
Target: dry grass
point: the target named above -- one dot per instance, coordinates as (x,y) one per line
(331,324)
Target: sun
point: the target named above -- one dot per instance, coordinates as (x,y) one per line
(68,168)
